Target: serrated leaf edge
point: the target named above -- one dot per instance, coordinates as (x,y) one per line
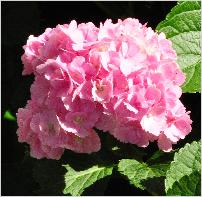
(174,161)
(83,173)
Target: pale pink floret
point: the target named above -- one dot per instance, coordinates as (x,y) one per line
(81,116)
(102,90)
(32,56)
(164,143)
(131,133)
(120,78)
(88,144)
(153,124)
(78,123)
(39,150)
(24,117)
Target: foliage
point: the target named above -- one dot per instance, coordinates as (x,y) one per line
(77,181)
(183,26)
(9,116)
(184,174)
(138,172)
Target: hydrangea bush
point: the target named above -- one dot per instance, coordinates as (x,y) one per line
(120,78)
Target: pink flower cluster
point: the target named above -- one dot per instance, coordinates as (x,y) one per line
(120,78)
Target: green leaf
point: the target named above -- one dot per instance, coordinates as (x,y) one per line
(160,157)
(156,155)
(183,176)
(192,72)
(186,186)
(9,116)
(137,172)
(77,181)
(183,26)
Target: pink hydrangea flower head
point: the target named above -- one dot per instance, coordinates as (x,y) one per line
(121,78)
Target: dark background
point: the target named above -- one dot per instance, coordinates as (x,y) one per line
(21,19)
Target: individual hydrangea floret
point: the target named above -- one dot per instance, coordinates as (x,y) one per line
(119,78)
